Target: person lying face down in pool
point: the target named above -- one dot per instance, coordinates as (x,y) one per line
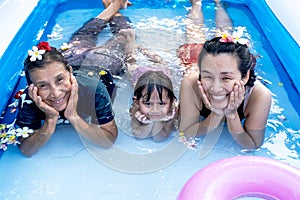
(153,110)
(225,89)
(196,33)
(82,49)
(54,92)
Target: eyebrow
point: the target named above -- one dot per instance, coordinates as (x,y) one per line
(223,73)
(44,82)
(40,83)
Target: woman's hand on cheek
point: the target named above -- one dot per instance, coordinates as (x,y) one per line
(207,102)
(236,98)
(49,111)
(71,109)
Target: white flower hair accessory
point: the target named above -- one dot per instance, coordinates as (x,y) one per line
(236,37)
(38,51)
(35,53)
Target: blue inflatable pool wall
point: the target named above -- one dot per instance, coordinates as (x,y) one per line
(12,59)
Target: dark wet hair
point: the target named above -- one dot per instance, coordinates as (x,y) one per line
(152,80)
(48,57)
(246,60)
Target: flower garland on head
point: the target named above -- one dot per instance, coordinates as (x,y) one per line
(236,37)
(37,51)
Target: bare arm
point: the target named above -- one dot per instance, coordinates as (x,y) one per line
(158,130)
(35,141)
(162,130)
(144,128)
(141,130)
(103,135)
(251,135)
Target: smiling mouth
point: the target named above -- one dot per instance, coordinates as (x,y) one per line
(58,101)
(218,97)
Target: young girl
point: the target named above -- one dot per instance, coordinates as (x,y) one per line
(154,109)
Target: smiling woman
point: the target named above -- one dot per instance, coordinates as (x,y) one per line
(55,93)
(227,90)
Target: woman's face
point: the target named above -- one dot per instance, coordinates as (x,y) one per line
(155,109)
(53,83)
(219,74)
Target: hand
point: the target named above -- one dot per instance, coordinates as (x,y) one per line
(49,111)
(141,117)
(71,109)
(171,115)
(206,101)
(235,99)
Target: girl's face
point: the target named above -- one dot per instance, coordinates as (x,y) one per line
(155,109)
(219,74)
(53,83)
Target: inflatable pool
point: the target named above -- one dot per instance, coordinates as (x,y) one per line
(70,168)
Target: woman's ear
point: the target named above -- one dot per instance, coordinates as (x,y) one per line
(246,78)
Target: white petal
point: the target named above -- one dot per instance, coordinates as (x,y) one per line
(33,58)
(239,33)
(244,41)
(34,48)
(39,57)
(25,135)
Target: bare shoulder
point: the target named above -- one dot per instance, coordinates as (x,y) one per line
(261,92)
(260,99)
(189,92)
(190,80)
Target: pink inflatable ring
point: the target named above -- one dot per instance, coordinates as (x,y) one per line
(236,177)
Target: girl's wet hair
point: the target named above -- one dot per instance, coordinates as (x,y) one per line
(246,60)
(152,80)
(47,58)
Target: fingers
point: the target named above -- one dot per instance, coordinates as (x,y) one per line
(141,117)
(237,95)
(32,92)
(203,95)
(48,110)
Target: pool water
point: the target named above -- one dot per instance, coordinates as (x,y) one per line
(69,167)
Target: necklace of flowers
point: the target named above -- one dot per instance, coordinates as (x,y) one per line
(9,135)
(189,143)
(37,51)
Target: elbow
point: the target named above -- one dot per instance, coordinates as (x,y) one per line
(253,145)
(26,153)
(110,140)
